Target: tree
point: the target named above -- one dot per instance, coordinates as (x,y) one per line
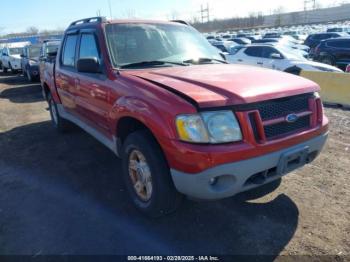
(32,30)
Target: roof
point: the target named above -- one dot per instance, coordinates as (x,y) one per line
(102,20)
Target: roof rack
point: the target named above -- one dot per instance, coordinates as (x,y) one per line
(97,19)
(180,22)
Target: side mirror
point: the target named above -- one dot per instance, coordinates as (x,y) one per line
(22,55)
(88,65)
(52,54)
(4,54)
(275,56)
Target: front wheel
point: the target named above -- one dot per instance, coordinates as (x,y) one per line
(147,175)
(29,76)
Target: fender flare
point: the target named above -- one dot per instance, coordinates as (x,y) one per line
(144,112)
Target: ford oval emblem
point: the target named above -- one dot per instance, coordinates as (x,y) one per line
(292,118)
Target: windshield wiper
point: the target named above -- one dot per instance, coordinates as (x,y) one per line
(152,63)
(204,60)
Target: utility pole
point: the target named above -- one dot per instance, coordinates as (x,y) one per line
(110,9)
(98,12)
(205,13)
(307,4)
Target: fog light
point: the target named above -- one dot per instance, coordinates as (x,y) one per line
(213,181)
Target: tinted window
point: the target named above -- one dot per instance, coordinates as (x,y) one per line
(254,51)
(88,46)
(68,58)
(268,51)
(339,44)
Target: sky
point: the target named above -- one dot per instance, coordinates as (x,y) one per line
(18,15)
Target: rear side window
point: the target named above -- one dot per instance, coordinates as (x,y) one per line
(254,51)
(339,44)
(68,57)
(88,46)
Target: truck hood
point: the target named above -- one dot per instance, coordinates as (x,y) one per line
(223,85)
(18,57)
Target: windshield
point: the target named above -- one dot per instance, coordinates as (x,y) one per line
(51,48)
(15,51)
(134,43)
(34,51)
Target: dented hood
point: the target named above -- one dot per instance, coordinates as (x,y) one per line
(223,85)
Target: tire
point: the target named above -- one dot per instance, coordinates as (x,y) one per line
(29,76)
(293,70)
(161,197)
(60,124)
(328,60)
(13,71)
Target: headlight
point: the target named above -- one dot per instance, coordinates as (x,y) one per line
(209,127)
(317,95)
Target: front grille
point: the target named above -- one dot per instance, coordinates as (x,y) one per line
(280,108)
(284,128)
(284,106)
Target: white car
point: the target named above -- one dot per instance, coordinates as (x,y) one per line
(277,57)
(11,56)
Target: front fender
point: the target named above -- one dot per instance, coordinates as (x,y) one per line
(160,123)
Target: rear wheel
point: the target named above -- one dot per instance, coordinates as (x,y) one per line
(328,60)
(59,123)
(13,71)
(147,175)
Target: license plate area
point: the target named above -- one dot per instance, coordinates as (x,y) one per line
(292,160)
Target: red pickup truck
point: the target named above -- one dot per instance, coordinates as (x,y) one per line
(183,121)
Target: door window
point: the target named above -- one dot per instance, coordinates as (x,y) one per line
(268,51)
(254,51)
(68,57)
(88,46)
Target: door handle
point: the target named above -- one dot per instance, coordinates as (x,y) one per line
(240,60)
(260,63)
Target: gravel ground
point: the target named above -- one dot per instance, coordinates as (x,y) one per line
(62,194)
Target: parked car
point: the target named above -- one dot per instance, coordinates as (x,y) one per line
(347,70)
(11,56)
(241,40)
(0,58)
(277,57)
(314,40)
(334,52)
(224,46)
(183,121)
(338,29)
(30,62)
(47,59)
(272,35)
(284,42)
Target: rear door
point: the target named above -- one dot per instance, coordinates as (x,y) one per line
(66,74)
(92,90)
(340,49)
